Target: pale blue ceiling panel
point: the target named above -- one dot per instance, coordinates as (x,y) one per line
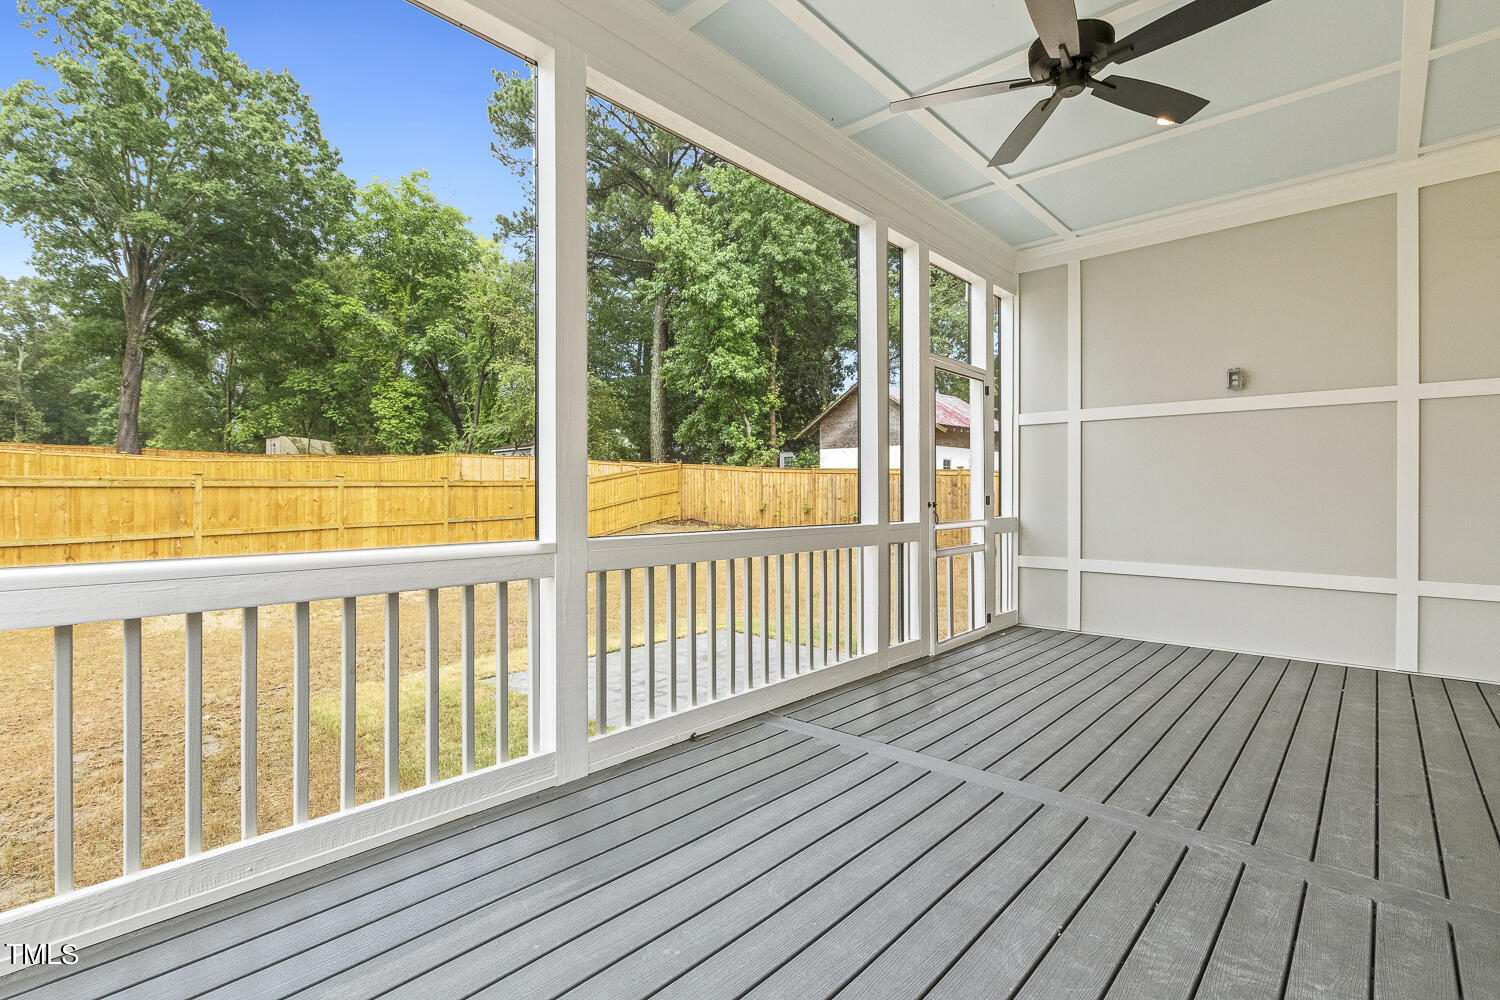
(1002,215)
(671,6)
(1081,125)
(922,156)
(1463,93)
(757,35)
(1457,19)
(922,44)
(1271,51)
(1331,130)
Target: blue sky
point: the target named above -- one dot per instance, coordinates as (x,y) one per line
(397,89)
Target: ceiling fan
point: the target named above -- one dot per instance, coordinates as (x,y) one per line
(1069,52)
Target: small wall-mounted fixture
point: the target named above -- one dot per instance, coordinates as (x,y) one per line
(1235,379)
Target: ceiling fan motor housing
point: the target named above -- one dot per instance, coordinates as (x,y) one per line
(1094,37)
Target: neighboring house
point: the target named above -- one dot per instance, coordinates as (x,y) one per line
(838,431)
(285,445)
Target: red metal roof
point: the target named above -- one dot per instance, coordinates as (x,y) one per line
(950,411)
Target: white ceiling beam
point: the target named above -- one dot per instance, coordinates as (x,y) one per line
(856,61)
(1416,48)
(697,11)
(1483,38)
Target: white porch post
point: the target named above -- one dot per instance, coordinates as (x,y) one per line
(918,430)
(560,703)
(1008,385)
(875,434)
(982,483)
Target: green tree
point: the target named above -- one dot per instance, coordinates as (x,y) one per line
(161,166)
(635,168)
(27,328)
(948,315)
(763,313)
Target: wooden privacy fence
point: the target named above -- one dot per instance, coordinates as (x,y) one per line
(784,498)
(89,462)
(78,519)
(86,505)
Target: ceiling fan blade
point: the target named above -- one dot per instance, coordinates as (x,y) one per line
(1016,143)
(1150,99)
(1056,25)
(1181,23)
(962,94)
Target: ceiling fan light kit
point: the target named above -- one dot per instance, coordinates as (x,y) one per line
(1067,55)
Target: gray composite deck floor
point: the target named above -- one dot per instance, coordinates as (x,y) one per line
(1041,815)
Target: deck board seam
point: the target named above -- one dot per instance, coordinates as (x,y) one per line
(1067,669)
(703,808)
(1239,754)
(1037,664)
(1208,732)
(1286,752)
(644,807)
(430,840)
(812,887)
(1321,873)
(584,929)
(1017,893)
(915,918)
(921,670)
(1122,734)
(991,713)
(1099,712)
(998,678)
(1458,725)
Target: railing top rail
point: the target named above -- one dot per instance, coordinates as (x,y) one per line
(633,551)
(45,596)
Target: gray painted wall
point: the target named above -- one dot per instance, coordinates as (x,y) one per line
(1289,509)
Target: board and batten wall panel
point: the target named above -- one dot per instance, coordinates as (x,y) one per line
(1302,303)
(1044,340)
(1460,246)
(1044,597)
(1301,623)
(1308,490)
(1461,489)
(1044,490)
(1182,485)
(1460,638)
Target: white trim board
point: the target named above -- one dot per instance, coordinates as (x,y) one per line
(1220,574)
(1277,401)
(640,55)
(1242,651)
(1466,158)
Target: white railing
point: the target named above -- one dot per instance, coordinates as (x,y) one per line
(252,588)
(721,625)
(744,610)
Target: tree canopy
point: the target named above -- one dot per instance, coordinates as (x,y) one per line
(161,166)
(209,275)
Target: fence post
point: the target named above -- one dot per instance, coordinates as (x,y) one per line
(342,534)
(197,513)
(640,509)
(447,513)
